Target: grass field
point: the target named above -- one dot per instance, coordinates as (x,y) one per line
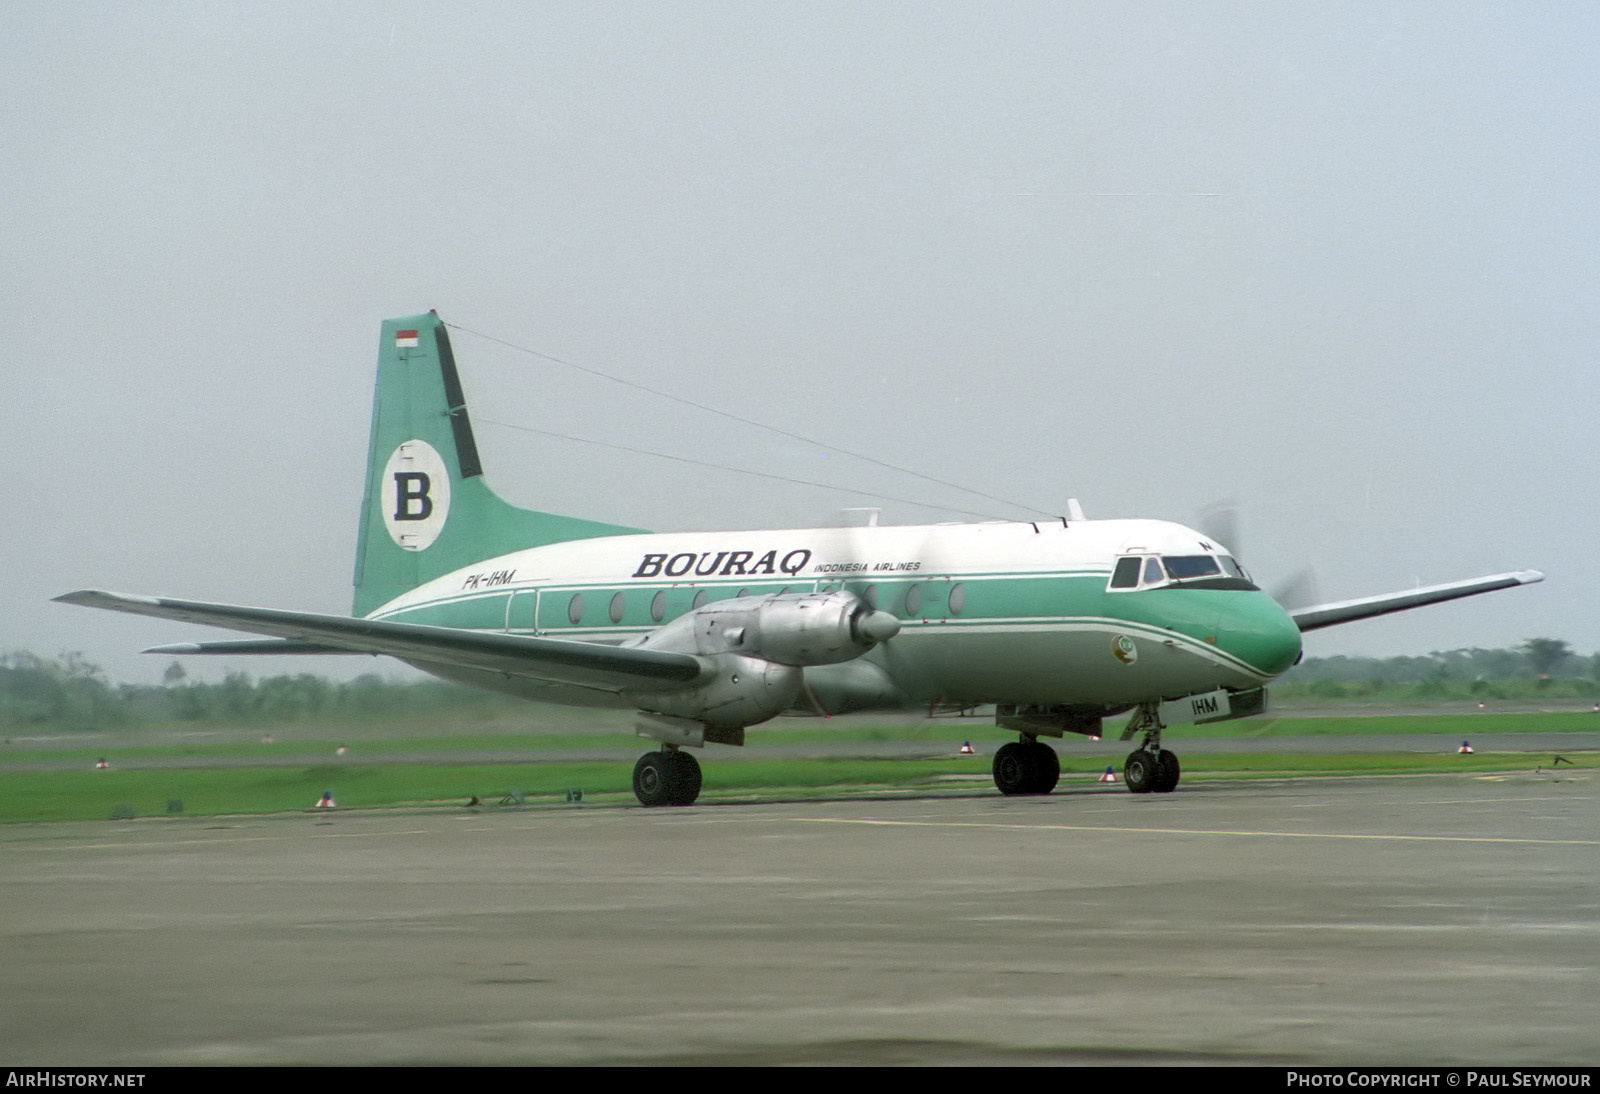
(236,771)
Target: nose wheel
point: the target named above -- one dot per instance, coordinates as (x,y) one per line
(1148,772)
(1149,769)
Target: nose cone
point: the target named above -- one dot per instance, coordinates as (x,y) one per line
(1256,629)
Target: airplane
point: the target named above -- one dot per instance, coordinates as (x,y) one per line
(1058,624)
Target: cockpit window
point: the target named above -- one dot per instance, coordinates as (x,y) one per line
(1142,571)
(1126,575)
(1184,567)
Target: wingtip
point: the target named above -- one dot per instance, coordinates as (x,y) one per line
(100,598)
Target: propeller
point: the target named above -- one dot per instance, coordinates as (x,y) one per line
(1219,522)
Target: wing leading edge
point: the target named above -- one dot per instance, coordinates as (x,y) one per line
(1347,611)
(556,660)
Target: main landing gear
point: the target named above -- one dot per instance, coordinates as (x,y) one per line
(668,777)
(1149,768)
(1027,766)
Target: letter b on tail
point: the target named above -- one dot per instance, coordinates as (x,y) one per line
(416,495)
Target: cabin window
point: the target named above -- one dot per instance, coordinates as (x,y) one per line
(700,599)
(616,608)
(869,596)
(575,609)
(658,606)
(958,598)
(913,600)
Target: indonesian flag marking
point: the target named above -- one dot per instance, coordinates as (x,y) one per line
(405,339)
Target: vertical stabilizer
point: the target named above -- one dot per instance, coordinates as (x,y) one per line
(427,509)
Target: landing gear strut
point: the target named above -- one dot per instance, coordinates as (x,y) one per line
(668,777)
(1027,766)
(1149,768)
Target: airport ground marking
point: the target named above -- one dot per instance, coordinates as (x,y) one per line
(1203,831)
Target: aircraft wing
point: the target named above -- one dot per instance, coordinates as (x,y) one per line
(1346,611)
(557,660)
(250,646)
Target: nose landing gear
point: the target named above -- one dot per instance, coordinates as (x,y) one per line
(1149,768)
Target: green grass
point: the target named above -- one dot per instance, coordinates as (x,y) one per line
(294,745)
(1448,725)
(236,773)
(90,794)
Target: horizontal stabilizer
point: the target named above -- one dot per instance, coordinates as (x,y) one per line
(1347,611)
(554,660)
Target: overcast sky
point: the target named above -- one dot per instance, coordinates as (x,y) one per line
(1335,263)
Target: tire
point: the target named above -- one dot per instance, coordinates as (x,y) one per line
(1013,773)
(1046,768)
(1167,772)
(686,778)
(1139,772)
(652,779)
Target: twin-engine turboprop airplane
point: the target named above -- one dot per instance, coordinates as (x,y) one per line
(1059,624)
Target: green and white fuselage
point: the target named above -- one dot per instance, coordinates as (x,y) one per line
(1019,613)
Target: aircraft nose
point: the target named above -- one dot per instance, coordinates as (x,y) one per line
(1258,630)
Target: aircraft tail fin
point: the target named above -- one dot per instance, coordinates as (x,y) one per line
(427,509)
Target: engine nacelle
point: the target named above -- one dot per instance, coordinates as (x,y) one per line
(796,629)
(740,691)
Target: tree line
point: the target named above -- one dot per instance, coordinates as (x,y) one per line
(69,692)
(1538,667)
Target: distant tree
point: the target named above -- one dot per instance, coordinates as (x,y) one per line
(1544,654)
(175,674)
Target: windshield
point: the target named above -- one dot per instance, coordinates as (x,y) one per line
(1142,571)
(1184,567)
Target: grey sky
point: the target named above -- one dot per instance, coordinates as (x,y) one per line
(1333,262)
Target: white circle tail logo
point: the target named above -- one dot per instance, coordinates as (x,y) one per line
(416,495)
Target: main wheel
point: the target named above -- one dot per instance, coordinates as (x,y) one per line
(1167,772)
(1030,767)
(1046,768)
(1139,772)
(685,771)
(652,779)
(1012,771)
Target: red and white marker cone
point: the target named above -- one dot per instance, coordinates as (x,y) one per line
(1465,749)
(327,801)
(1110,776)
(967,749)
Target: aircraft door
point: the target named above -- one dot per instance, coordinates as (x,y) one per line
(522,612)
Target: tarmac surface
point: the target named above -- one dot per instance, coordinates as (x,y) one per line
(1406,920)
